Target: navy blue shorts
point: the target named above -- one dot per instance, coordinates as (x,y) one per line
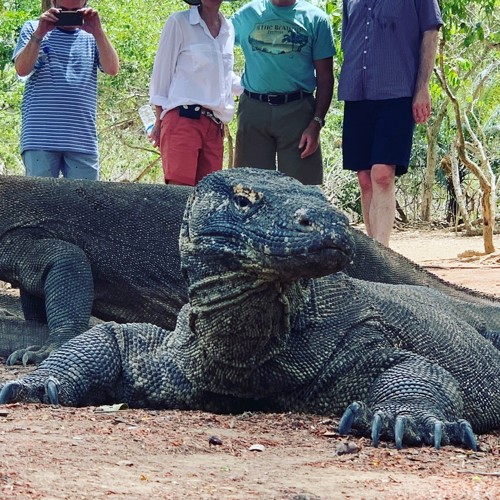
(377,132)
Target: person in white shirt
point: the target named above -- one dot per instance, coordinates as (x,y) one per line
(192,87)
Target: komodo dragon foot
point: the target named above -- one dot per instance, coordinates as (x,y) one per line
(414,402)
(32,354)
(411,425)
(45,391)
(83,371)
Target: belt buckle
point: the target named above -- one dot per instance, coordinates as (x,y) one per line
(209,114)
(270,97)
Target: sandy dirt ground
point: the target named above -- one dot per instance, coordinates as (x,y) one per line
(453,257)
(83,453)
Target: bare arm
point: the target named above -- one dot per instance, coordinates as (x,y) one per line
(324,93)
(107,53)
(154,137)
(27,57)
(422,97)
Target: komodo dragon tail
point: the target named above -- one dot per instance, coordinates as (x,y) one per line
(375,262)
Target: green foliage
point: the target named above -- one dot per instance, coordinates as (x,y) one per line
(457,18)
(135,27)
(12,16)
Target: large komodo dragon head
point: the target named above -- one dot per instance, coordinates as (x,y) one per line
(249,240)
(265,224)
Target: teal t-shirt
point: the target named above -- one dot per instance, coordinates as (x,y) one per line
(280,45)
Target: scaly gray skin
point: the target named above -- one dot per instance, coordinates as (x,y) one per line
(77,246)
(272,325)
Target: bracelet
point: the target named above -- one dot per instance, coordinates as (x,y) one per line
(35,39)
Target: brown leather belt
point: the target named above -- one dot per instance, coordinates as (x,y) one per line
(277,99)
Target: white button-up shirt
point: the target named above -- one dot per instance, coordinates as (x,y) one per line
(193,67)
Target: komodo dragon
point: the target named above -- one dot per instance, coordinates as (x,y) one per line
(75,245)
(272,325)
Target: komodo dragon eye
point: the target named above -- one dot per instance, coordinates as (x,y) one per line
(245,198)
(241,201)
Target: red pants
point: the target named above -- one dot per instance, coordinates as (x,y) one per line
(190,149)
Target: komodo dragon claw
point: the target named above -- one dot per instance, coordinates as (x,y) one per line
(467,434)
(417,428)
(21,391)
(9,392)
(51,389)
(18,355)
(31,355)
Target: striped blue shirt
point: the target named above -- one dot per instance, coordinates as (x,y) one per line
(381,43)
(60,97)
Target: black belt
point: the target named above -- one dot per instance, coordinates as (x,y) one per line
(277,99)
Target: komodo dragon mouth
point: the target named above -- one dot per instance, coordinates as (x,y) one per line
(302,260)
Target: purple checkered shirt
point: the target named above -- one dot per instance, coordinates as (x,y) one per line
(381,44)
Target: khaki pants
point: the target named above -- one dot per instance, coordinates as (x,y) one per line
(268,133)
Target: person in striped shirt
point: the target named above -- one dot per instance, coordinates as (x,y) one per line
(59,65)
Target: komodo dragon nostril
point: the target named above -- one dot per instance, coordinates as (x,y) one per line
(303,218)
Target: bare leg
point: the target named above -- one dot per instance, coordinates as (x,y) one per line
(365,184)
(378,201)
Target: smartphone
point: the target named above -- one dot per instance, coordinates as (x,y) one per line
(69,18)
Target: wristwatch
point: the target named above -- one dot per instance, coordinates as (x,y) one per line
(35,39)
(319,120)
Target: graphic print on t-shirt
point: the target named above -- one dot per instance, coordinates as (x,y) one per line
(277,37)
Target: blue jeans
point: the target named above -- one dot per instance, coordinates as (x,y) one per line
(71,165)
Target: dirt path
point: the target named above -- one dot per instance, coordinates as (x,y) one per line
(67,453)
(451,256)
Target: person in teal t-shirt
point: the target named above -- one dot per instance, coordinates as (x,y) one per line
(288,86)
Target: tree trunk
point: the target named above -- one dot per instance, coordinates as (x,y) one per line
(432,132)
(46,5)
(457,187)
(230,147)
(483,170)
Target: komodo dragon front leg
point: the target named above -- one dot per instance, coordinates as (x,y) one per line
(112,362)
(56,286)
(413,402)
